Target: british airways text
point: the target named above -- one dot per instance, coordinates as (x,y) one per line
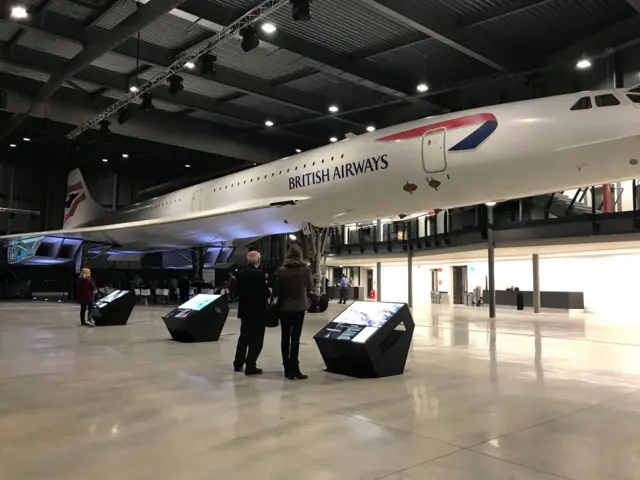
(339,172)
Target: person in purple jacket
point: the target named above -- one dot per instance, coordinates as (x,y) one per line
(85,288)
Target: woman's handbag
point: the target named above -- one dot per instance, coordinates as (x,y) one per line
(272,315)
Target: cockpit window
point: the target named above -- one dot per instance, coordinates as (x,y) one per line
(635,98)
(608,100)
(583,104)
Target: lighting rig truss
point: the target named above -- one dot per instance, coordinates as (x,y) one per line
(223,36)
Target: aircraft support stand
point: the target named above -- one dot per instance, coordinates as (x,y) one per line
(491,261)
(535,260)
(410,278)
(319,242)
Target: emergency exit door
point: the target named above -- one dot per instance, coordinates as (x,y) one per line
(196,201)
(434,158)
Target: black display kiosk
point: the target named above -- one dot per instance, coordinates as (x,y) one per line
(114,309)
(201,319)
(367,340)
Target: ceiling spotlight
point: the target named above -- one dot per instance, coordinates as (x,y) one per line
(125,155)
(269,123)
(423,87)
(133,89)
(301,10)
(147,102)
(12,145)
(187,166)
(371,128)
(584,63)
(104,126)
(333,109)
(123,115)
(298,150)
(292,237)
(26,139)
(333,139)
(206,63)
(190,65)
(268,27)
(490,204)
(250,38)
(18,12)
(175,84)
(105,160)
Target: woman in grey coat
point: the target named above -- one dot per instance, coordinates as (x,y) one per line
(292,285)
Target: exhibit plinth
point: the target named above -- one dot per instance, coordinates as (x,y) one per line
(201,319)
(114,309)
(367,340)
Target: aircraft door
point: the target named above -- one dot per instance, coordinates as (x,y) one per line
(434,157)
(196,201)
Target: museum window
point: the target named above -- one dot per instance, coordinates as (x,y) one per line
(608,100)
(583,104)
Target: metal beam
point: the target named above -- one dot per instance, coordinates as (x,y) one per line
(502,10)
(71,29)
(70,107)
(443,28)
(98,14)
(147,14)
(46,63)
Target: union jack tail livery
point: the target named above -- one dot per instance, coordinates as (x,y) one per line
(79,207)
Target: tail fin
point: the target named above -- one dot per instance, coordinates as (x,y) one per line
(79,207)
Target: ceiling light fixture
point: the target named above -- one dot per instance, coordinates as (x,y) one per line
(19,12)
(26,139)
(333,139)
(190,65)
(268,27)
(301,10)
(12,145)
(147,102)
(583,64)
(124,115)
(187,166)
(423,87)
(105,160)
(133,89)
(371,128)
(175,84)
(298,150)
(490,204)
(206,63)
(269,123)
(250,38)
(292,237)
(333,109)
(125,155)
(104,126)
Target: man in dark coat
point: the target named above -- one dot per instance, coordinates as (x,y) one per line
(253,294)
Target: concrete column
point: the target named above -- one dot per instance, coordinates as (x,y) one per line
(491,261)
(379,232)
(535,260)
(410,278)
(12,181)
(379,281)
(520,210)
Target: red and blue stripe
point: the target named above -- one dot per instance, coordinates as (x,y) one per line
(488,122)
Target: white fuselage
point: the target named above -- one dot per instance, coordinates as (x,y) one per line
(537,146)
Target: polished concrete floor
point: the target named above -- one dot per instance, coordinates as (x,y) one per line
(533,397)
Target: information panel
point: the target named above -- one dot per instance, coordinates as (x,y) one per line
(199,302)
(360,321)
(110,298)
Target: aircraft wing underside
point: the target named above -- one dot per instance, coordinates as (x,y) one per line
(202,229)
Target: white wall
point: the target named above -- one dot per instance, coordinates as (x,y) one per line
(610,283)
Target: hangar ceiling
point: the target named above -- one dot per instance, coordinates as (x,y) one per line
(366,57)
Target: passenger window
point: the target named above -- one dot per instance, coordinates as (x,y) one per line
(583,104)
(608,100)
(635,98)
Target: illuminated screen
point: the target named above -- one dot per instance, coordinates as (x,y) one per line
(22,249)
(199,302)
(360,321)
(113,295)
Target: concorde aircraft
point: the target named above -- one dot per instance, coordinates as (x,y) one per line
(487,154)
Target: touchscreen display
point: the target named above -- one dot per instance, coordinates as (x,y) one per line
(113,296)
(360,320)
(199,302)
